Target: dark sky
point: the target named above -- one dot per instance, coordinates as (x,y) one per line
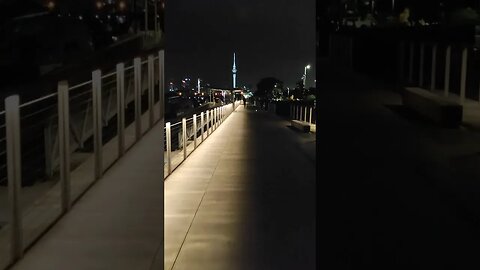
(271,38)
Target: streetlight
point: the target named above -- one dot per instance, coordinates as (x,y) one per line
(305,74)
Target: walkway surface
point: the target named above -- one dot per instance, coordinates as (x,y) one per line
(244,199)
(397,192)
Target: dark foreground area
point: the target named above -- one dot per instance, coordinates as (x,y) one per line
(394,192)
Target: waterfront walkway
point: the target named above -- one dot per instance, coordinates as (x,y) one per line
(244,199)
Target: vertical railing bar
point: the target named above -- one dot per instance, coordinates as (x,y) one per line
(463,78)
(410,63)
(202,124)
(208,122)
(310,118)
(14,174)
(138,97)
(195,131)
(434,68)
(169,147)
(97,121)
(151,85)
(184,138)
(422,53)
(161,83)
(447,70)
(120,108)
(64,143)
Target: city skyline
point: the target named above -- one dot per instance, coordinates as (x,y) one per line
(270,39)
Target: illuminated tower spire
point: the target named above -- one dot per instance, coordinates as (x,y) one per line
(234,72)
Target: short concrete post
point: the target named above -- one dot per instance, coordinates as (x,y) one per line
(14,174)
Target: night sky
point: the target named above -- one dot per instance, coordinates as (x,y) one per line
(271,38)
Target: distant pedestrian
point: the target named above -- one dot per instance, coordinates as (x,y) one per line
(244,101)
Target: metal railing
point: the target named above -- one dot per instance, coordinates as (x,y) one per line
(182,138)
(303,113)
(54,148)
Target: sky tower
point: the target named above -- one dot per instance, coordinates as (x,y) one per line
(234,72)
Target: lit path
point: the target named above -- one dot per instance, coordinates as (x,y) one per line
(244,199)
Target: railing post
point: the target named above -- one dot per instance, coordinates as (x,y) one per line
(463,78)
(208,122)
(202,124)
(120,108)
(161,84)
(195,131)
(14,173)
(310,118)
(168,131)
(161,114)
(184,137)
(151,86)
(137,65)
(422,53)
(305,116)
(410,63)
(64,143)
(433,77)
(97,121)
(448,58)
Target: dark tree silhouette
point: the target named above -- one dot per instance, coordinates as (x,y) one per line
(265,87)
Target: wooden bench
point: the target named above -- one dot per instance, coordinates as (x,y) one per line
(438,109)
(300,125)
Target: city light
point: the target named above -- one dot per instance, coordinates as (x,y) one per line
(51,5)
(99,4)
(122,5)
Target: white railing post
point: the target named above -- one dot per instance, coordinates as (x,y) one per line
(463,78)
(14,174)
(208,123)
(169,147)
(448,58)
(422,58)
(151,86)
(97,121)
(120,108)
(137,65)
(64,143)
(184,138)
(310,118)
(305,116)
(434,68)
(202,124)
(195,131)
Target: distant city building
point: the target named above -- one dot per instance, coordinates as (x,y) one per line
(234,72)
